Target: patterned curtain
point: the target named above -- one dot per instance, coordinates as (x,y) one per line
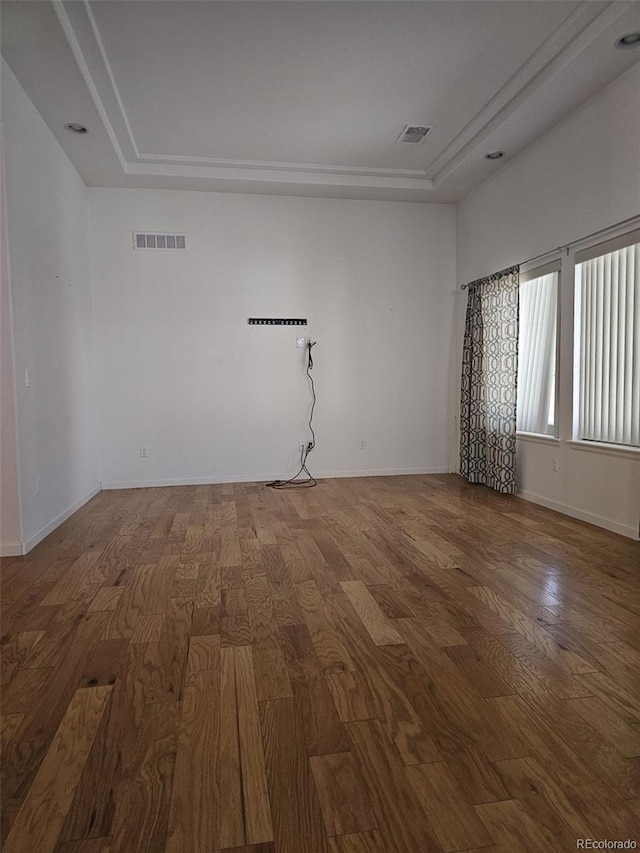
(489,376)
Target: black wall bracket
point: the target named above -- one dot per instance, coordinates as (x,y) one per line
(274,321)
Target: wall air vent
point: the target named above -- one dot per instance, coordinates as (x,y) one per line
(414,134)
(144,240)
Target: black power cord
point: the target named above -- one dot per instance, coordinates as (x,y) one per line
(308,481)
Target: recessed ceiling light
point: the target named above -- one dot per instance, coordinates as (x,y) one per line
(494,155)
(74,127)
(627,41)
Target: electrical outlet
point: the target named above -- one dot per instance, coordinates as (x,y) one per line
(38,486)
(301,343)
(27,378)
(144,451)
(555,463)
(363,444)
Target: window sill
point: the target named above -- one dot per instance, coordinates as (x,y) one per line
(601,447)
(538,437)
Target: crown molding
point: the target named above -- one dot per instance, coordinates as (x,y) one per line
(327,178)
(107,67)
(78,54)
(564,44)
(419,174)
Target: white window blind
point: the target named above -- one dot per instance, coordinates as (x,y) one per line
(608,303)
(537,354)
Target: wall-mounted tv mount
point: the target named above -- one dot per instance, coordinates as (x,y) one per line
(276,321)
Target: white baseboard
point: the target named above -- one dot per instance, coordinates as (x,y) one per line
(185,481)
(10,549)
(263,478)
(574,512)
(32,541)
(382,472)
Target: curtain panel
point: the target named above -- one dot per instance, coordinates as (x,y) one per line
(489,379)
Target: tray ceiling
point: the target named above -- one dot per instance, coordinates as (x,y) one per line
(308,98)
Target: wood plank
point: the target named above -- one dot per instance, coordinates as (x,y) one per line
(330,649)
(208,588)
(619,696)
(261,612)
(9,724)
(624,737)
(16,652)
(204,653)
(392,794)
(514,830)
(617,773)
(195,793)
(297,818)
(454,822)
(257,812)
(206,620)
(146,792)
(484,677)
(543,800)
(271,674)
(112,755)
(583,788)
(514,664)
(323,732)
(393,687)
(389,602)
(344,800)
(82,572)
(43,812)
(103,663)
(86,845)
(352,696)
(234,619)
(148,628)
(569,661)
(232,832)
(361,842)
(107,598)
(45,713)
(172,650)
(432,616)
(380,630)
(267,847)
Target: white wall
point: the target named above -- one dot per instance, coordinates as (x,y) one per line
(581,177)
(47,213)
(179,369)
(10,526)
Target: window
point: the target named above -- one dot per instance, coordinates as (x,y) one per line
(537,352)
(607,352)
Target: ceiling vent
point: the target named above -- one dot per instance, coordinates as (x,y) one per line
(144,240)
(414,134)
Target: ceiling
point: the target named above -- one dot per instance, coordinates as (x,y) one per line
(307,97)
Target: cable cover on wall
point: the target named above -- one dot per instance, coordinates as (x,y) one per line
(276,321)
(307,481)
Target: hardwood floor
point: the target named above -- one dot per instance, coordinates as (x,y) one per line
(402,664)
